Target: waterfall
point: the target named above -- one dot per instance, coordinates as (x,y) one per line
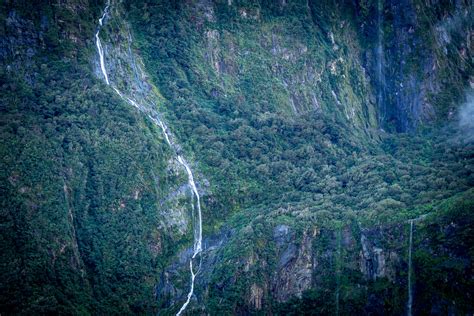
(98,43)
(155,118)
(338,269)
(379,57)
(197,230)
(410,294)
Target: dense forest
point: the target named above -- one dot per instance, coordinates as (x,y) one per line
(329,145)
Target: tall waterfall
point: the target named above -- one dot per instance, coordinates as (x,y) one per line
(379,57)
(98,43)
(155,118)
(338,269)
(410,294)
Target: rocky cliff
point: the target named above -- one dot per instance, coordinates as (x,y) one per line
(419,50)
(336,267)
(315,131)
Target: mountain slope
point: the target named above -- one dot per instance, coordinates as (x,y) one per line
(286,112)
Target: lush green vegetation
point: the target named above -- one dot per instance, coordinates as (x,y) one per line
(317,168)
(443,249)
(81,179)
(254,152)
(274,109)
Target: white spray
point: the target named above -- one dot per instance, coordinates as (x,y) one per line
(196,199)
(379,57)
(466,117)
(99,44)
(410,294)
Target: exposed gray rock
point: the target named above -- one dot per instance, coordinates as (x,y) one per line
(295,263)
(372,263)
(172,288)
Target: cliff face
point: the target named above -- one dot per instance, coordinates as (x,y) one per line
(395,65)
(252,62)
(82,178)
(288,113)
(338,267)
(420,61)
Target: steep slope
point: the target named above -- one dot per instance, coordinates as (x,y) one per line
(85,180)
(244,77)
(142,95)
(284,111)
(420,55)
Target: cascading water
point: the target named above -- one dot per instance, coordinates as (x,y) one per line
(410,294)
(98,43)
(379,57)
(338,269)
(195,198)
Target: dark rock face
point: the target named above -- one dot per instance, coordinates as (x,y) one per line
(372,260)
(303,261)
(349,269)
(406,58)
(173,284)
(20,44)
(403,104)
(391,81)
(295,264)
(125,236)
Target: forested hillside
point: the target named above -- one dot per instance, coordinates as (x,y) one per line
(329,146)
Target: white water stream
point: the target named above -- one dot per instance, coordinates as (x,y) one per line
(379,56)
(195,199)
(99,44)
(410,294)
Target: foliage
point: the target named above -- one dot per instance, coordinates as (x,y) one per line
(273,106)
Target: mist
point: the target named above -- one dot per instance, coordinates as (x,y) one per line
(466,117)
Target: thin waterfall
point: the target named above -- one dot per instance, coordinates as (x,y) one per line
(410,294)
(379,57)
(153,115)
(338,269)
(98,43)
